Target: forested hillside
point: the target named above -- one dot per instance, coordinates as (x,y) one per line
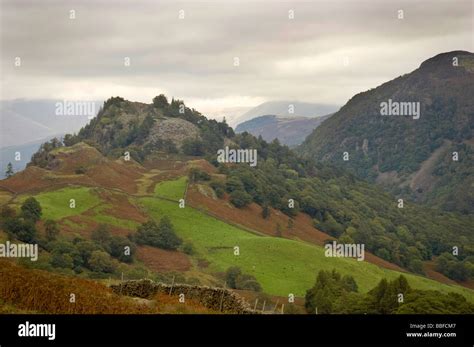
(427,158)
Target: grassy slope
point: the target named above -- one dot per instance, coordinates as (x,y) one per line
(282,266)
(55,204)
(173,190)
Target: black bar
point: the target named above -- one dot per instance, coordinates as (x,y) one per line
(233,329)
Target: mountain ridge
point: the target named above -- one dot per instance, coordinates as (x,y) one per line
(397,145)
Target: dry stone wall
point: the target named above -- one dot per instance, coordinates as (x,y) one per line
(217,299)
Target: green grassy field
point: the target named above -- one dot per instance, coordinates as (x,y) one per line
(173,190)
(55,204)
(282,266)
(100,216)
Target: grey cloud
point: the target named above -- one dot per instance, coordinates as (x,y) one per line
(193,58)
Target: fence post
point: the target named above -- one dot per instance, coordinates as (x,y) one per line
(222,297)
(172,284)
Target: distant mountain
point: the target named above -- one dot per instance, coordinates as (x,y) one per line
(290,131)
(24,121)
(426,154)
(286,109)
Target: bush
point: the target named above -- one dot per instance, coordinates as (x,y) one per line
(102,236)
(247,282)
(64,261)
(237,280)
(118,247)
(196,175)
(80,170)
(161,236)
(160,101)
(240,198)
(231,276)
(31,209)
(193,147)
(21,229)
(188,248)
(65,255)
(101,262)
(85,249)
(51,229)
(219,188)
(265,212)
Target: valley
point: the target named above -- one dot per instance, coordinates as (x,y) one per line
(283,264)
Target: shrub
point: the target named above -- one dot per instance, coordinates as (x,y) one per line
(193,147)
(231,276)
(265,212)
(237,280)
(21,229)
(196,175)
(31,209)
(101,262)
(80,170)
(219,188)
(51,229)
(240,198)
(160,101)
(188,248)
(118,248)
(102,236)
(161,236)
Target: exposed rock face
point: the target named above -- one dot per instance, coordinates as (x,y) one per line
(173,129)
(217,299)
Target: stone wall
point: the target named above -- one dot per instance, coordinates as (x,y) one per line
(217,299)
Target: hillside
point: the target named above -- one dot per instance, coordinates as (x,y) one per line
(40,292)
(208,208)
(290,131)
(410,155)
(287,264)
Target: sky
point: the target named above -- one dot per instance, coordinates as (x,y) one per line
(312,51)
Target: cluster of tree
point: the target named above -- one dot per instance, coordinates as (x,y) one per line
(42,157)
(160,235)
(237,280)
(197,175)
(455,268)
(377,143)
(453,176)
(22,226)
(336,294)
(109,135)
(101,254)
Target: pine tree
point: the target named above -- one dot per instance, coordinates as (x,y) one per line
(9,172)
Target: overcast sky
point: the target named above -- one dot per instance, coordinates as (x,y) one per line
(330,51)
